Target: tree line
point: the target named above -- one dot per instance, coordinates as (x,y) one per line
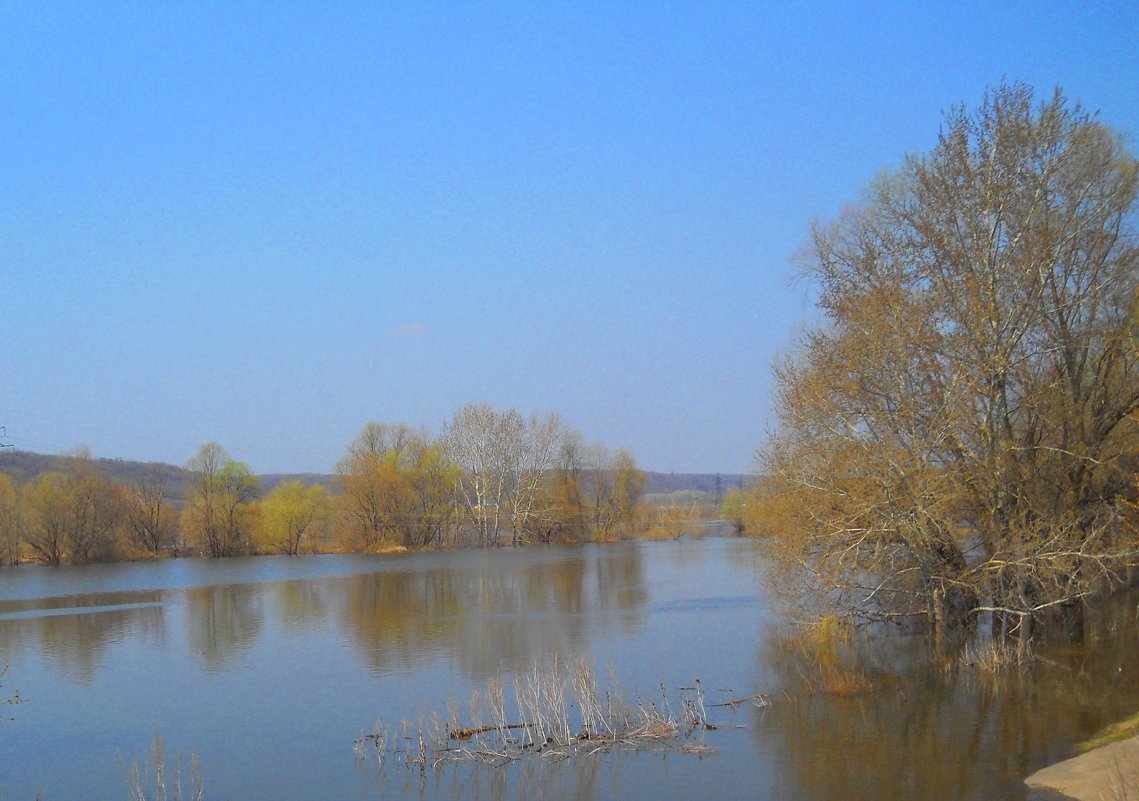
(490,478)
(960,437)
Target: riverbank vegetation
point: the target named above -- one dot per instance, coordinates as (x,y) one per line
(1115,733)
(490,478)
(958,441)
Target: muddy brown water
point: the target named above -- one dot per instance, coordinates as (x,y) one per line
(268,668)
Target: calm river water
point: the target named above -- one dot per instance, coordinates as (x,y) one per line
(268,668)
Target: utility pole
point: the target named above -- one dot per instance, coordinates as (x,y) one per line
(4,436)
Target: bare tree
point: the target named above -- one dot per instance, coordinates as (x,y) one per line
(561,509)
(369,484)
(535,458)
(485,445)
(378,440)
(503,461)
(957,438)
(150,519)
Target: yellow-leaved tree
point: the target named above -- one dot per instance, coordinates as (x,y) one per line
(12,521)
(294,518)
(220,514)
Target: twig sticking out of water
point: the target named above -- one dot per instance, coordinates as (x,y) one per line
(12,699)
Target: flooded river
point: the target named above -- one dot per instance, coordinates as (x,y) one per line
(269,668)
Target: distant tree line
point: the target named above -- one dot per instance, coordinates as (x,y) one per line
(490,478)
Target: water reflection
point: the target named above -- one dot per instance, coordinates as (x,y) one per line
(957,735)
(74,633)
(497,617)
(299,604)
(353,639)
(485,613)
(395,618)
(223,621)
(17,608)
(620,580)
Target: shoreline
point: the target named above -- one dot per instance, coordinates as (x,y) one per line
(1107,773)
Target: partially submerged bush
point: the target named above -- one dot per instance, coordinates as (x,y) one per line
(556,712)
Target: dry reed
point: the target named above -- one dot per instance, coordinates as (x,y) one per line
(994,656)
(561,712)
(153,777)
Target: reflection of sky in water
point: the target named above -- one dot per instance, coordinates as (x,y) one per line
(269,668)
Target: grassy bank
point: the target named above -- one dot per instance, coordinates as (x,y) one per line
(1116,732)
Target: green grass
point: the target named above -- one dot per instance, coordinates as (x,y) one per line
(1114,733)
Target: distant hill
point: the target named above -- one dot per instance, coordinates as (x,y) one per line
(700,482)
(24,465)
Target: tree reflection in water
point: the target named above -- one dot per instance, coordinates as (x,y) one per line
(936,734)
(307,651)
(223,621)
(489,617)
(74,633)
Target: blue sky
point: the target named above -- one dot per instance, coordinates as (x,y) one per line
(267,224)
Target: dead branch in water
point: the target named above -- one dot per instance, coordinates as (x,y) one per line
(466,734)
(760,699)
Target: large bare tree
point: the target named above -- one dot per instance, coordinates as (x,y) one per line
(958,436)
(503,460)
(485,445)
(151,520)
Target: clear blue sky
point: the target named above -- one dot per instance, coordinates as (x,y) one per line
(267,224)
